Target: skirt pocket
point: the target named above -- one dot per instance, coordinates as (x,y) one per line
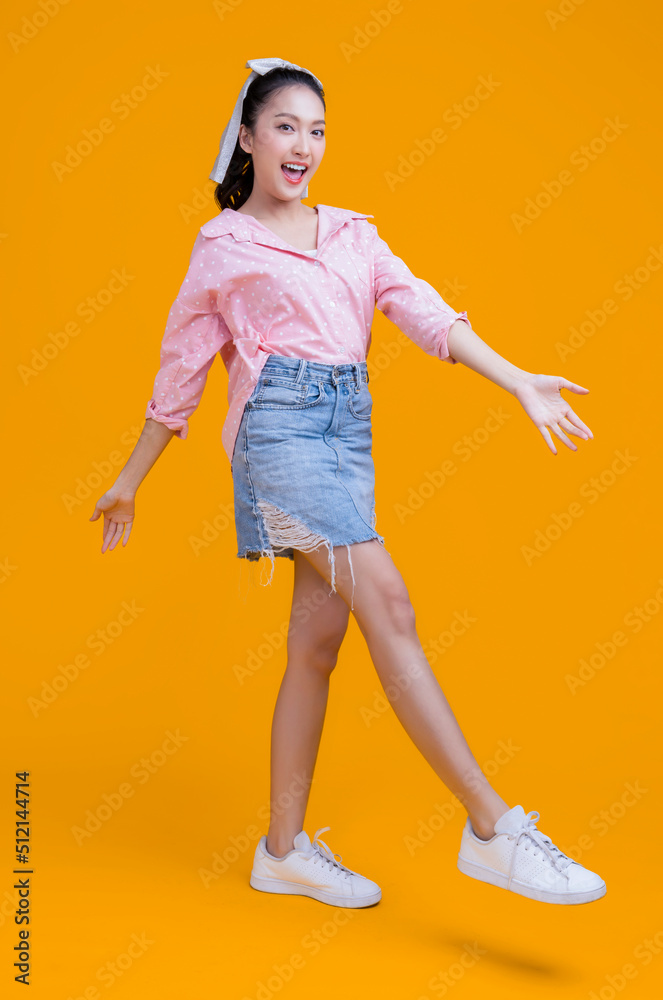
(285,394)
(360,404)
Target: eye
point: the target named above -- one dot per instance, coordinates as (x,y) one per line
(286,125)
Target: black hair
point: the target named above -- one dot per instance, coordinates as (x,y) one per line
(237,184)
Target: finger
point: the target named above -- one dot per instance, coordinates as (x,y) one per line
(108,531)
(570,428)
(112,527)
(562,436)
(573,386)
(118,534)
(96,514)
(109,527)
(574,418)
(128,532)
(549,441)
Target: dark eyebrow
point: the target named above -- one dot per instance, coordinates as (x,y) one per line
(287,114)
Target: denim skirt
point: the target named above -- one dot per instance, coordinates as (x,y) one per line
(302,465)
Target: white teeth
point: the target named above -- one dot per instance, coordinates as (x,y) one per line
(294,166)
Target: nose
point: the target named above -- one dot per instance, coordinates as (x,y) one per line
(303,148)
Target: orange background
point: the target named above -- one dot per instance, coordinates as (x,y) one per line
(134,205)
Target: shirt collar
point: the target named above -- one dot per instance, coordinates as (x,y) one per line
(245,227)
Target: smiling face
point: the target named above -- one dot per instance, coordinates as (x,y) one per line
(290,130)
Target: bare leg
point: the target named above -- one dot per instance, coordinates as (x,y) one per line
(386,619)
(318,623)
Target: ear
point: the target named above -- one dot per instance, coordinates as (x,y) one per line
(244,139)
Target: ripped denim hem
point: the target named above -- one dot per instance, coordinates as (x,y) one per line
(287,532)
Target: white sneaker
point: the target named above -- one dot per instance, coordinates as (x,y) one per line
(310,869)
(521,858)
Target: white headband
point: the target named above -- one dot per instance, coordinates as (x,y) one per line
(231,132)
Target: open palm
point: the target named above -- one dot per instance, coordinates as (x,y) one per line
(541,399)
(118,509)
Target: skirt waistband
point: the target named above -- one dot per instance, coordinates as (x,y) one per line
(303,370)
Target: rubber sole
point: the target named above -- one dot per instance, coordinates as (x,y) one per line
(296,889)
(495,878)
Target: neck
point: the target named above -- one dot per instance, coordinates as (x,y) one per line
(262,206)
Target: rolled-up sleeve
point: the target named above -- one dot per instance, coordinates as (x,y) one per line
(412,303)
(195,332)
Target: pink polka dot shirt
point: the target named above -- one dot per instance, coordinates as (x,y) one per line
(248,294)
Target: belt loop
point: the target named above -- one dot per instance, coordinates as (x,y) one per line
(301,370)
(357,375)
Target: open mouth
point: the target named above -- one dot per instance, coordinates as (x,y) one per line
(294,174)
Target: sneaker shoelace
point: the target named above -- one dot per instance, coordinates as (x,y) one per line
(559,861)
(323,855)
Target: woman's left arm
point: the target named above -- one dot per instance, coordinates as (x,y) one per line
(539,395)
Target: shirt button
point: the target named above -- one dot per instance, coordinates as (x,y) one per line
(317,263)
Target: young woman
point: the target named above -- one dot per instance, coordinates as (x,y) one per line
(285,294)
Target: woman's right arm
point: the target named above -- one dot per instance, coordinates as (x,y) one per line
(195,333)
(118,503)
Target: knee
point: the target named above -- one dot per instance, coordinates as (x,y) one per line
(319,653)
(398,609)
